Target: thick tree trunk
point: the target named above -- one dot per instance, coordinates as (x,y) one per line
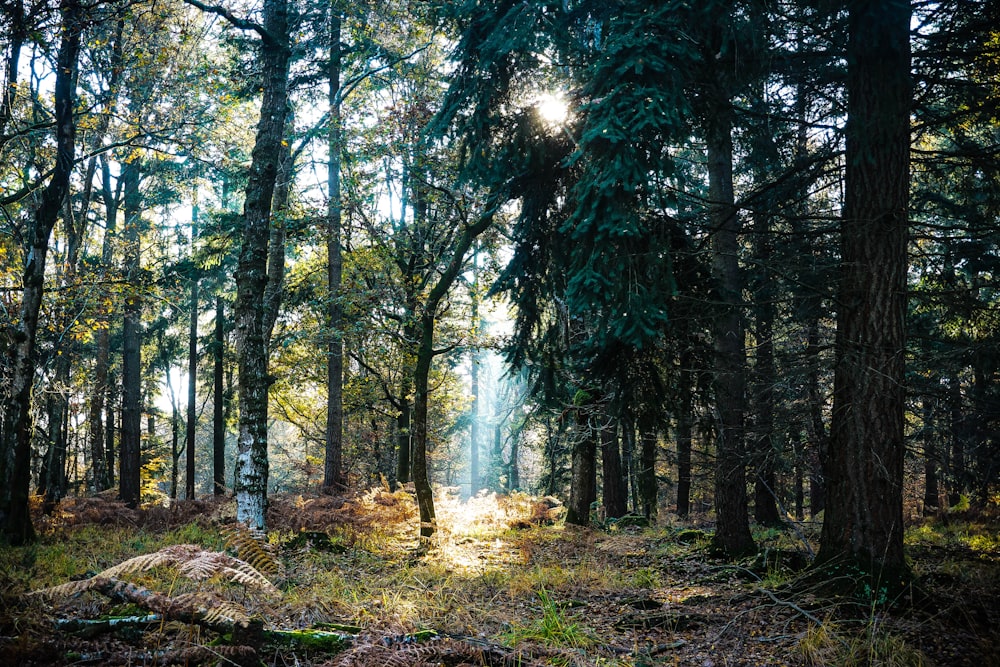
(863,521)
(646,478)
(732,534)
(615,491)
(421,478)
(219,401)
(17,527)
(583,476)
(333,474)
(251,472)
(129,458)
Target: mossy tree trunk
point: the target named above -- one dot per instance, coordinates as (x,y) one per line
(251,472)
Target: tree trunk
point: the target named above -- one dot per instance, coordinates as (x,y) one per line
(175,450)
(102,361)
(615,491)
(732,534)
(333,474)
(421,374)
(931,503)
(219,401)
(818,438)
(765,377)
(648,491)
(685,422)
(863,521)
(475,410)
(109,431)
(583,478)
(192,394)
(421,479)
(251,273)
(17,527)
(129,458)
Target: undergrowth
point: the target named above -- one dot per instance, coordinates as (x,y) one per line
(502,575)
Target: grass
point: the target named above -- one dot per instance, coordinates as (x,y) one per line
(552,628)
(591,596)
(830,644)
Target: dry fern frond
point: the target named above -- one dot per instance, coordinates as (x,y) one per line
(252,547)
(437,652)
(189,560)
(65,590)
(167,556)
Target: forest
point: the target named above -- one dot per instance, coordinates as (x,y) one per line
(500,332)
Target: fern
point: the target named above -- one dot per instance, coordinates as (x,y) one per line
(252,547)
(189,560)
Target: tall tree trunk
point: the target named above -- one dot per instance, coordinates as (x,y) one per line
(17,526)
(646,478)
(863,521)
(685,424)
(421,374)
(129,485)
(175,450)
(732,535)
(192,394)
(795,436)
(109,431)
(765,377)
(931,503)
(615,491)
(819,441)
(583,476)
(475,410)
(333,473)
(251,272)
(219,401)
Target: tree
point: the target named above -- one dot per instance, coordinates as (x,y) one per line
(863,523)
(251,272)
(129,483)
(17,526)
(333,474)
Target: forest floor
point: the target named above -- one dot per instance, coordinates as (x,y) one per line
(499,584)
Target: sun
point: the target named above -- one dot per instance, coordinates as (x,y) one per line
(552,108)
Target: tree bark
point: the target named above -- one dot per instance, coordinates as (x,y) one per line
(685,422)
(646,478)
(192,394)
(931,502)
(732,533)
(583,476)
(219,401)
(17,526)
(863,521)
(129,474)
(765,452)
(421,374)
(251,472)
(615,491)
(333,474)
